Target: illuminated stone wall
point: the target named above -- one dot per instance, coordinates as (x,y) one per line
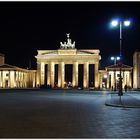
(136,70)
(113,75)
(14,77)
(67,56)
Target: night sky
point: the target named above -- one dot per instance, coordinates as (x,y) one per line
(26,27)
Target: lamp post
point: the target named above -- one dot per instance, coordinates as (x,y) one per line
(121,23)
(115,61)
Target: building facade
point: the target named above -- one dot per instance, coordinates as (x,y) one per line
(67,54)
(111,76)
(15,77)
(136,70)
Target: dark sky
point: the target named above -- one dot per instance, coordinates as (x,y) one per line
(26,27)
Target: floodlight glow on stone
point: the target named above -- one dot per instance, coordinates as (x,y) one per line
(126,23)
(114,23)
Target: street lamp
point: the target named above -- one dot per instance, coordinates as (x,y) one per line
(120,23)
(115,59)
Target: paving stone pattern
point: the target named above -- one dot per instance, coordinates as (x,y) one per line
(64,114)
(128,99)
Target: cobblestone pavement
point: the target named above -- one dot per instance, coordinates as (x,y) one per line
(64,114)
(129,99)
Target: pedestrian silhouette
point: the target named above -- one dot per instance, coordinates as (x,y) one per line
(125,88)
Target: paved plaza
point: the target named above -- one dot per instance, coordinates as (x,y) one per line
(65,114)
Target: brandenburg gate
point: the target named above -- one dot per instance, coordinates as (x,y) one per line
(67,54)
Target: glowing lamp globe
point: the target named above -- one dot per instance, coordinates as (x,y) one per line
(112,58)
(118,58)
(127,23)
(114,23)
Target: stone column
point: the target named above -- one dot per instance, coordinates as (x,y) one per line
(107,79)
(61,74)
(15,85)
(75,74)
(26,79)
(22,79)
(130,79)
(86,75)
(0,79)
(124,78)
(38,74)
(96,68)
(34,80)
(51,74)
(3,82)
(18,79)
(112,79)
(9,79)
(42,71)
(101,80)
(12,79)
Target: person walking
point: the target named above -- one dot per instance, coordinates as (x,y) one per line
(125,88)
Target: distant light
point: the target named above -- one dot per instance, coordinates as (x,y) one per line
(112,58)
(114,23)
(105,76)
(126,23)
(118,58)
